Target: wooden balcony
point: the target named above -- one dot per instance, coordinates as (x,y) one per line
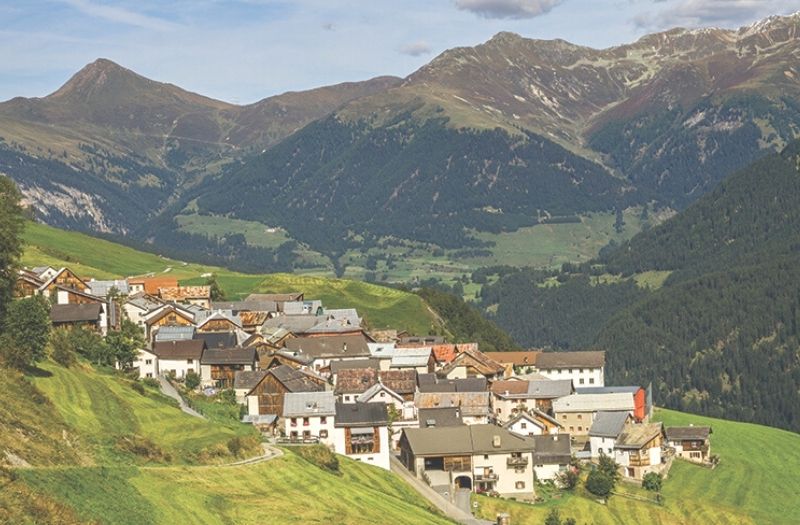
(517,461)
(490,477)
(639,461)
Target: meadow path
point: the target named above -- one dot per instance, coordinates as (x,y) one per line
(168,390)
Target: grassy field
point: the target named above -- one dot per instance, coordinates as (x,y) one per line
(756,482)
(382,307)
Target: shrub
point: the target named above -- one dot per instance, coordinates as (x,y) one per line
(61,348)
(192,380)
(609,467)
(652,481)
(137,386)
(568,479)
(321,456)
(228,396)
(599,483)
(239,445)
(151,382)
(143,447)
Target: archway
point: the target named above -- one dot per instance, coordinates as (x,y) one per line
(464,482)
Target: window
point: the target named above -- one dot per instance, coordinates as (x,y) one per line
(149,374)
(305,422)
(581,370)
(306,434)
(580,416)
(347,398)
(323,434)
(572,429)
(563,416)
(591,380)
(486,456)
(581,380)
(189,361)
(323,420)
(293,434)
(383,394)
(580,429)
(293,421)
(498,411)
(519,485)
(148,361)
(523,425)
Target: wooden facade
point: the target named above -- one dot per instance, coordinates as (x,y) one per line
(362,443)
(218,325)
(68,279)
(270,394)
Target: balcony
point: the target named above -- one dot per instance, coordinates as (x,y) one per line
(486,477)
(520,461)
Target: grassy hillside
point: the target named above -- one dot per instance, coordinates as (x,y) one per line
(754,483)
(381,306)
(67,427)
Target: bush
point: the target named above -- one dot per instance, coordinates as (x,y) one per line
(609,467)
(321,456)
(568,479)
(61,348)
(599,483)
(239,446)
(228,396)
(144,448)
(138,387)
(151,382)
(652,481)
(192,380)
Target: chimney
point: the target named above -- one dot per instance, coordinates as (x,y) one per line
(496,441)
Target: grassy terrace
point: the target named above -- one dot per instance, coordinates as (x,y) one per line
(382,307)
(756,482)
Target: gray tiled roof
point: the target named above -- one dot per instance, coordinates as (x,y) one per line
(468,439)
(229,356)
(551,449)
(247,379)
(174,333)
(439,417)
(691,432)
(361,414)
(75,313)
(304,404)
(590,359)
(608,424)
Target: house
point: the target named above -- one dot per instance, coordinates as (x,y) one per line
(309,416)
(150,285)
(44,273)
(642,406)
(482,458)
(380,393)
(63,277)
(474,406)
(174,333)
(266,397)
(91,316)
(691,443)
(166,315)
(515,362)
(419,359)
(576,412)
(638,449)
(196,295)
(27,284)
(532,422)
(324,350)
(584,368)
(472,363)
(219,322)
(361,432)
(352,382)
(137,307)
(244,381)
(179,357)
(439,417)
(605,429)
(218,367)
(252,321)
(147,363)
(104,288)
(510,397)
(382,353)
(551,456)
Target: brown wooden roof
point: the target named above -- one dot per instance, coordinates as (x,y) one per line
(527,358)
(588,359)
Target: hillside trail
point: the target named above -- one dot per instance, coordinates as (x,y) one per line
(168,390)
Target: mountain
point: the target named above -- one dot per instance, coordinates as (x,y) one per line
(110,148)
(721,336)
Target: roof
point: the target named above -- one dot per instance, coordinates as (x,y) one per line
(532,415)
(182,293)
(304,404)
(253,318)
(527,358)
(439,417)
(245,306)
(470,403)
(295,380)
(261,419)
(638,435)
(423,340)
(297,324)
(687,433)
(551,449)
(374,390)
(229,356)
(594,403)
(467,439)
(608,390)
(608,424)
(174,333)
(338,346)
(75,313)
(333,326)
(152,284)
(173,350)
(410,357)
(355,380)
(348,314)
(540,389)
(361,415)
(478,359)
(591,359)
(337,366)
(247,379)
(381,350)
(401,381)
(101,288)
(218,339)
(431,383)
(220,316)
(144,302)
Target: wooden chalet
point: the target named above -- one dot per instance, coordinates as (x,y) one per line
(219,366)
(472,363)
(64,278)
(267,396)
(219,322)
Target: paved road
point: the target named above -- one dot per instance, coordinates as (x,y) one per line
(448,509)
(168,390)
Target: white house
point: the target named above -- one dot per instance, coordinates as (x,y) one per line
(361,432)
(605,430)
(576,412)
(419,359)
(137,307)
(380,393)
(585,369)
(147,363)
(638,449)
(551,456)
(179,357)
(532,423)
(310,415)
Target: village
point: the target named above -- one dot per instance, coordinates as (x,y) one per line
(448,415)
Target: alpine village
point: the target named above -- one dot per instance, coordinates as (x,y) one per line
(530,283)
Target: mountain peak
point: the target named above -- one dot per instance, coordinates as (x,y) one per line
(95,77)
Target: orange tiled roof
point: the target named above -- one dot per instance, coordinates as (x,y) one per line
(180,293)
(152,284)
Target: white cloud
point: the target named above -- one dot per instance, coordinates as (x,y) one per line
(415,49)
(720,13)
(515,9)
(120,15)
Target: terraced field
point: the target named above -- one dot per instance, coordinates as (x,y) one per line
(756,482)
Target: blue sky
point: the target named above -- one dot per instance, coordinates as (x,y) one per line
(242,51)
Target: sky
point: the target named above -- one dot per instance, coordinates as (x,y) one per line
(242,51)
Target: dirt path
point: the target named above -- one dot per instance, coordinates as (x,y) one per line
(168,390)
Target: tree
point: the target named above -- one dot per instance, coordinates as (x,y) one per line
(568,479)
(192,380)
(26,330)
(11,227)
(217,293)
(123,346)
(553,517)
(652,481)
(609,467)
(599,483)
(90,345)
(61,348)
